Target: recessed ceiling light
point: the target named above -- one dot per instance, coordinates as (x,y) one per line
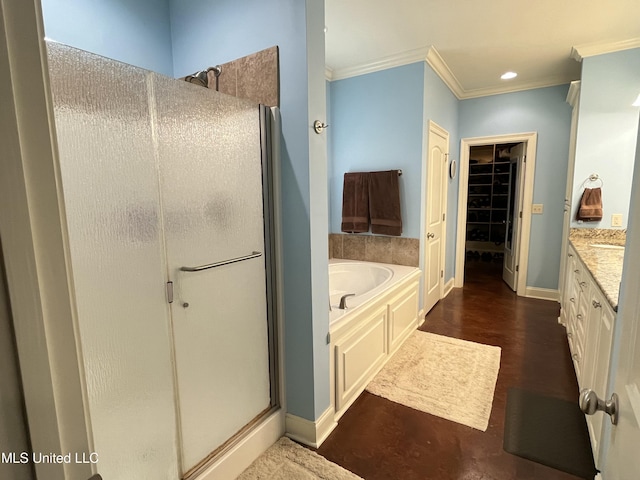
(508,75)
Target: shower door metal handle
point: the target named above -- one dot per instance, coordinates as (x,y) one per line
(220,264)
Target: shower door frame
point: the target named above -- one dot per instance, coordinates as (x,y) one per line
(270,418)
(248,445)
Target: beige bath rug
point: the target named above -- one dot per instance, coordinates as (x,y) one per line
(446,377)
(286,460)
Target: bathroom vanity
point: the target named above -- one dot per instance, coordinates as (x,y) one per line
(593,271)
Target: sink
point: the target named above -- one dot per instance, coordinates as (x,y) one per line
(605,245)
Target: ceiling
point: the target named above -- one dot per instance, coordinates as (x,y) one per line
(470,43)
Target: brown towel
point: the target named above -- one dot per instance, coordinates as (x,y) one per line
(355,203)
(384,203)
(590,205)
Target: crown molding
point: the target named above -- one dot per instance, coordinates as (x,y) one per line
(404,58)
(485,92)
(439,66)
(328,73)
(579,52)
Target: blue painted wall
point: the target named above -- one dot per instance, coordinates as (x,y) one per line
(544,111)
(442,107)
(380,121)
(376,124)
(208,33)
(607,131)
(135,32)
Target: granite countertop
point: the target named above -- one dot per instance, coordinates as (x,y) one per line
(604,264)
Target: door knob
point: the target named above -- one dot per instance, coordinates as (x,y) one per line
(590,404)
(431,235)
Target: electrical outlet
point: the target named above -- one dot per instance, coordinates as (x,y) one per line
(616,220)
(537,208)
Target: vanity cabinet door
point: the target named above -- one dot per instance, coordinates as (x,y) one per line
(573,291)
(578,297)
(565,302)
(601,320)
(583,286)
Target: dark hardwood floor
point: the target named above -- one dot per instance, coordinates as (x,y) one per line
(380,439)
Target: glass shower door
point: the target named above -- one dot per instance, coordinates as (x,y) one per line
(110,181)
(212,199)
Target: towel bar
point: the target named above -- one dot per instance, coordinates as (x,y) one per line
(220,264)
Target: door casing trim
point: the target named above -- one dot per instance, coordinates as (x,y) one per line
(531,140)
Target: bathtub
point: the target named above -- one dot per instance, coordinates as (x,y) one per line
(378,319)
(367,280)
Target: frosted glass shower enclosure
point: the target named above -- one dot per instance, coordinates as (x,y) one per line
(168,213)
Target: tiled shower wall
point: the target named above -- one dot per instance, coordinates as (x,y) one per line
(375,248)
(254,77)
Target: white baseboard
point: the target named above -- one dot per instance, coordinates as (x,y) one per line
(542,293)
(308,432)
(236,460)
(421,317)
(448,287)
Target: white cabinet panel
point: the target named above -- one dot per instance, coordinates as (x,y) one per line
(402,317)
(358,355)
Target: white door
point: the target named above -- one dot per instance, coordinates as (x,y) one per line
(512,238)
(213,212)
(435,208)
(622,461)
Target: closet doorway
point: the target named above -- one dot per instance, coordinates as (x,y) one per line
(494,207)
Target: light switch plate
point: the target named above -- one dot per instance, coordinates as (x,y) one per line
(537,208)
(616,220)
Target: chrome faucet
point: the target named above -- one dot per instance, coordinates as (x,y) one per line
(343,301)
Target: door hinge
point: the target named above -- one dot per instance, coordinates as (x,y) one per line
(329,338)
(443,215)
(441,273)
(524,158)
(517,268)
(170,291)
(520,214)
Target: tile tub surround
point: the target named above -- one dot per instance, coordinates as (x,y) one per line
(375,248)
(605,265)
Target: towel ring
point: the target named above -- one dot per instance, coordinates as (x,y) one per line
(593,178)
